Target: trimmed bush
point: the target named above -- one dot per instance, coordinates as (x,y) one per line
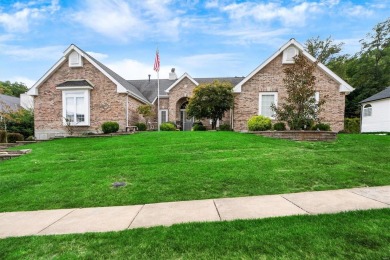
(259,123)
(280,126)
(13,137)
(2,136)
(198,126)
(352,125)
(321,127)
(167,127)
(141,126)
(110,127)
(224,127)
(30,138)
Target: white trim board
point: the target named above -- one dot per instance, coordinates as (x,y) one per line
(185,75)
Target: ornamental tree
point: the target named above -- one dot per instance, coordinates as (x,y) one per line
(147,112)
(211,100)
(300,107)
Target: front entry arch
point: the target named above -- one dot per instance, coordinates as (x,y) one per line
(186,123)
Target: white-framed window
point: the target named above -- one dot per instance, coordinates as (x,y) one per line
(163,116)
(367,110)
(75,107)
(266,99)
(317,97)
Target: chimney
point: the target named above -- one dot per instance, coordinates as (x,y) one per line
(149,77)
(172,74)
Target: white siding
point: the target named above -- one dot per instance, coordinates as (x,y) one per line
(379,121)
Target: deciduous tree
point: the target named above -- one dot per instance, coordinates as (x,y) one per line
(211,100)
(300,107)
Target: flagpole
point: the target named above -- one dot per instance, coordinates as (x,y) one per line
(157,69)
(158,100)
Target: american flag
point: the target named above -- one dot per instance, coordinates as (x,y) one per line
(157,62)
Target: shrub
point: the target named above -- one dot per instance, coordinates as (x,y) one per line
(321,127)
(280,126)
(2,136)
(259,123)
(224,127)
(198,126)
(30,138)
(13,137)
(21,121)
(141,126)
(352,125)
(167,127)
(110,127)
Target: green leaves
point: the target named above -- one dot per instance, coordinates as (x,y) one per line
(300,108)
(211,100)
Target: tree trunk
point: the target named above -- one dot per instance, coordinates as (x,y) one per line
(213,123)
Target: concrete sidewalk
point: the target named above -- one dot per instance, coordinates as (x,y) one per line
(82,220)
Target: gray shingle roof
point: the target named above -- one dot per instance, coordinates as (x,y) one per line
(118,78)
(381,95)
(9,102)
(149,88)
(75,83)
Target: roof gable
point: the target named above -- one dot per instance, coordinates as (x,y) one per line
(122,85)
(344,87)
(185,75)
(378,96)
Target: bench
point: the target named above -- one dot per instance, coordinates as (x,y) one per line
(131,128)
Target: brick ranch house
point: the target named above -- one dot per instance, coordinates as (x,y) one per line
(88,93)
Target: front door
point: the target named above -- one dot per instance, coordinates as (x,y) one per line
(186,122)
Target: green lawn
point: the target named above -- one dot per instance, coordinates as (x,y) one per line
(352,235)
(171,166)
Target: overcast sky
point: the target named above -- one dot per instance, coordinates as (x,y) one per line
(212,38)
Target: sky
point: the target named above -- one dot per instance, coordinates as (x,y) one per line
(211,38)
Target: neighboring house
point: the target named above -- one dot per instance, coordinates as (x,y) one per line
(26,101)
(375,116)
(87,93)
(9,103)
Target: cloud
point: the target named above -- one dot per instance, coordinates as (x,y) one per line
(212,4)
(126,21)
(358,11)
(41,53)
(19,19)
(98,55)
(267,12)
(110,18)
(133,69)
(211,64)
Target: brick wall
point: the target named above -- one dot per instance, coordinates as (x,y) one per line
(270,79)
(105,103)
(300,135)
(179,94)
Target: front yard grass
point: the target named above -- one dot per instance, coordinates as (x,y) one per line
(352,235)
(172,166)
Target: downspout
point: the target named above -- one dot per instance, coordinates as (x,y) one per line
(127,109)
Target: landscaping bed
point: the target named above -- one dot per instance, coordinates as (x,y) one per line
(299,135)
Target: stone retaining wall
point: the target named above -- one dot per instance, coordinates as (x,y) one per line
(300,135)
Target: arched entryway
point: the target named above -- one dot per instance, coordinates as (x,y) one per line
(185,123)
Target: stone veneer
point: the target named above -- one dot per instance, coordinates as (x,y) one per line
(105,103)
(270,79)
